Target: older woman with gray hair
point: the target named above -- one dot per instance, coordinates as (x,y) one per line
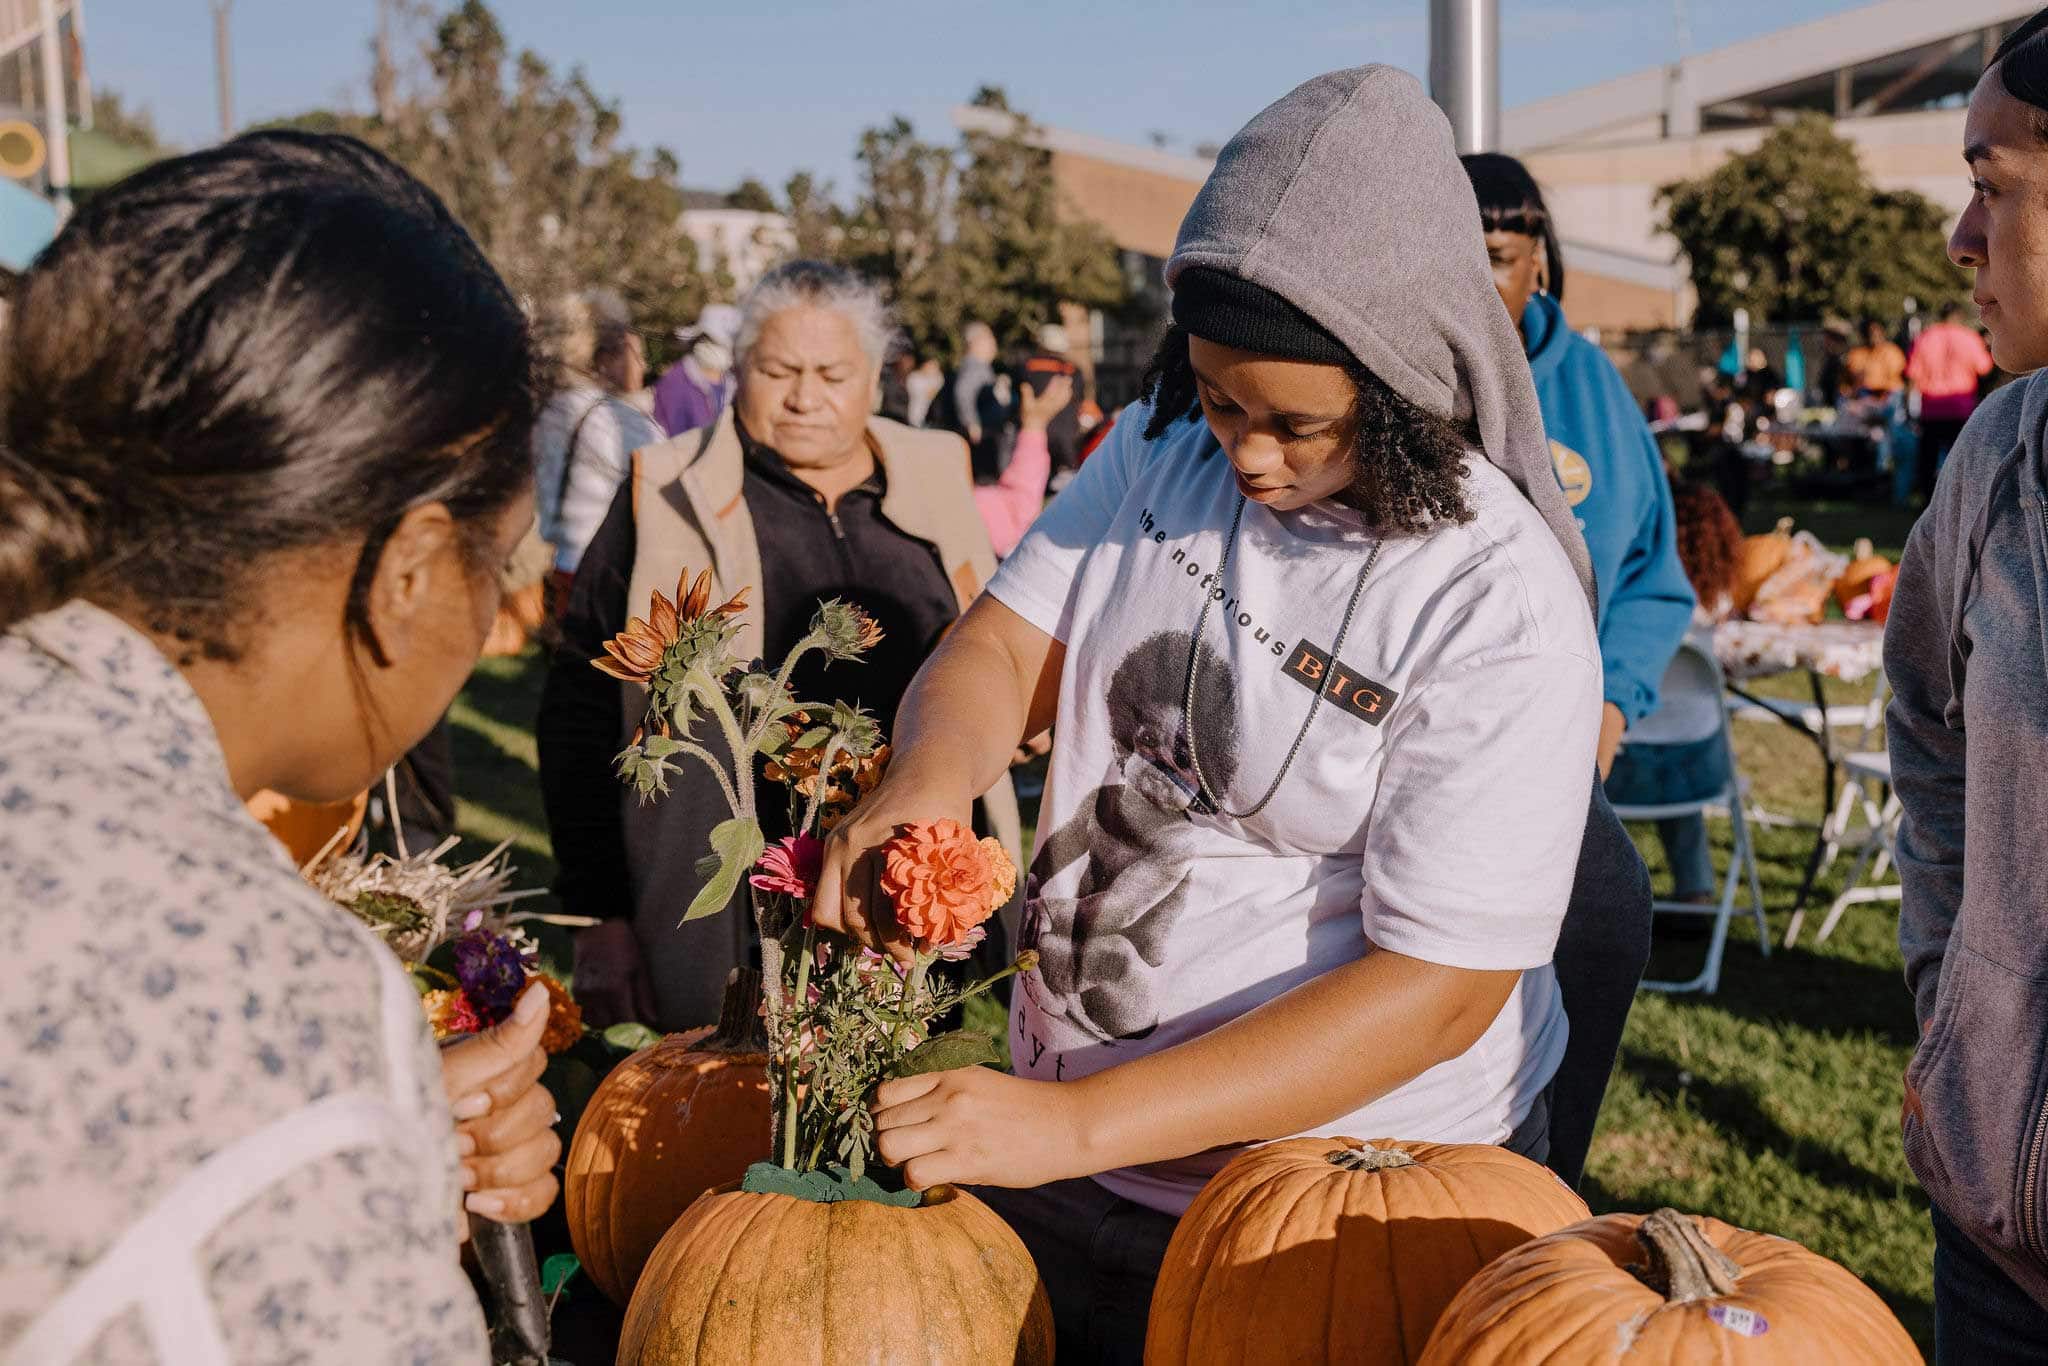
(797,492)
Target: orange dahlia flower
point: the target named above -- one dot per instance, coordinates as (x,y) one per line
(943,881)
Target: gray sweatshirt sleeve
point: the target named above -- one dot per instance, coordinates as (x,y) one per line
(1928,755)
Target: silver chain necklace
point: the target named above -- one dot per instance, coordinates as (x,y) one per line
(1195,658)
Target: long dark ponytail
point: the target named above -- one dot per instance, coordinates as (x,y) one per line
(280,342)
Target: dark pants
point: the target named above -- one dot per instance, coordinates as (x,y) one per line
(1980,1317)
(1601,953)
(1099,1254)
(1937,439)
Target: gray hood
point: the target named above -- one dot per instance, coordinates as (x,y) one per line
(1346,198)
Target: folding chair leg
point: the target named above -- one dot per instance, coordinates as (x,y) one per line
(1756,893)
(1855,896)
(1837,824)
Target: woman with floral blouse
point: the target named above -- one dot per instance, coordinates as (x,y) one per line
(264,416)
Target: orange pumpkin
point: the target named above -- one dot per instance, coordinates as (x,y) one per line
(1364,1244)
(1762,556)
(669,1123)
(1857,579)
(1666,1287)
(770,1278)
(305,828)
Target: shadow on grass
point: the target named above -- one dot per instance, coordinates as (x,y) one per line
(1737,1111)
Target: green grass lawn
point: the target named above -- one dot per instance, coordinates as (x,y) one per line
(1773,1105)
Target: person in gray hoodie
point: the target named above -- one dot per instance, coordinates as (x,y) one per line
(1314,627)
(1966,650)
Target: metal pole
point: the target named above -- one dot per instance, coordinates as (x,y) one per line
(1464,69)
(56,119)
(222,70)
(84,65)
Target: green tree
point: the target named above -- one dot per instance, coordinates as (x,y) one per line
(534,164)
(974,231)
(136,127)
(752,194)
(1794,231)
(816,224)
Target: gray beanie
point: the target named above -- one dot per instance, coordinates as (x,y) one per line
(1346,199)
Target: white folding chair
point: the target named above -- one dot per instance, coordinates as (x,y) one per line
(1693,682)
(1867,772)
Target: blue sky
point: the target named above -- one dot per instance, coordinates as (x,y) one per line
(781,85)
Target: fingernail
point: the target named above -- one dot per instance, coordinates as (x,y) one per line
(489,1206)
(468,1179)
(473,1107)
(531,1004)
(465,1144)
(557,1119)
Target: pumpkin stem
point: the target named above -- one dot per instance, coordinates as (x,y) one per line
(1679,1263)
(1366,1158)
(739,1016)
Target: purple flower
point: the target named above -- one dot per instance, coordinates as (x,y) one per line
(491,971)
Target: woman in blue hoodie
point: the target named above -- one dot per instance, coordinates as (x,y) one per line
(1613,478)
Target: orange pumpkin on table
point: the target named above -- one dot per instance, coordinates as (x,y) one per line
(1762,556)
(1865,564)
(1666,1287)
(1328,1249)
(746,1277)
(669,1123)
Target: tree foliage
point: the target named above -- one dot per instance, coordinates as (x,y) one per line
(533,163)
(1795,232)
(135,126)
(972,231)
(752,194)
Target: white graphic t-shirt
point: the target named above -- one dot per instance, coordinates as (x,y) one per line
(1433,808)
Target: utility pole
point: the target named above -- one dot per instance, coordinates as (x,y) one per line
(384,79)
(1464,69)
(56,119)
(223,72)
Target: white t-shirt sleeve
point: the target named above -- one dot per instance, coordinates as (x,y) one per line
(1475,831)
(1037,579)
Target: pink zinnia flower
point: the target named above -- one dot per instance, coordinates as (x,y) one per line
(790,866)
(961,949)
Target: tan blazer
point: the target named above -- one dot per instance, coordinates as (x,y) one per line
(689,509)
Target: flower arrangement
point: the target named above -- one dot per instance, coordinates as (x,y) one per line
(468,978)
(839,1018)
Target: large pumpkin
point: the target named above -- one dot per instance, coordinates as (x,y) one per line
(1666,1287)
(671,1122)
(771,1278)
(1328,1249)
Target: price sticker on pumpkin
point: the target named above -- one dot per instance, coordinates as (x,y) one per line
(1745,1323)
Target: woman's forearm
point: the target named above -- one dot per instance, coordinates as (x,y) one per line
(1303,1059)
(992,682)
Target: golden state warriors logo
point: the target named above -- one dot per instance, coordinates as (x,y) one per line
(1574,475)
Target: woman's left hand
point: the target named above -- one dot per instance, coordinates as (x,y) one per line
(975,1126)
(504,1117)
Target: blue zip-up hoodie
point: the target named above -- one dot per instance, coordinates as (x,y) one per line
(1613,476)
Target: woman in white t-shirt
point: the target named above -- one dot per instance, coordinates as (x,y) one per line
(1313,625)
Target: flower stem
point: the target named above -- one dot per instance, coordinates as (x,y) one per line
(794,1055)
(913,988)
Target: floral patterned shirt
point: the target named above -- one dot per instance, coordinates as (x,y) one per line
(223,1136)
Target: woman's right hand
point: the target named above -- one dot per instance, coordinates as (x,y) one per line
(849,899)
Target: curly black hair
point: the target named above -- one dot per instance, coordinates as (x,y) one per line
(1409,473)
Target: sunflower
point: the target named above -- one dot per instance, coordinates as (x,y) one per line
(635,653)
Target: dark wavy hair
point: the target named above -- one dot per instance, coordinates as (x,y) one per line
(2022,62)
(1409,470)
(281,342)
(1709,542)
